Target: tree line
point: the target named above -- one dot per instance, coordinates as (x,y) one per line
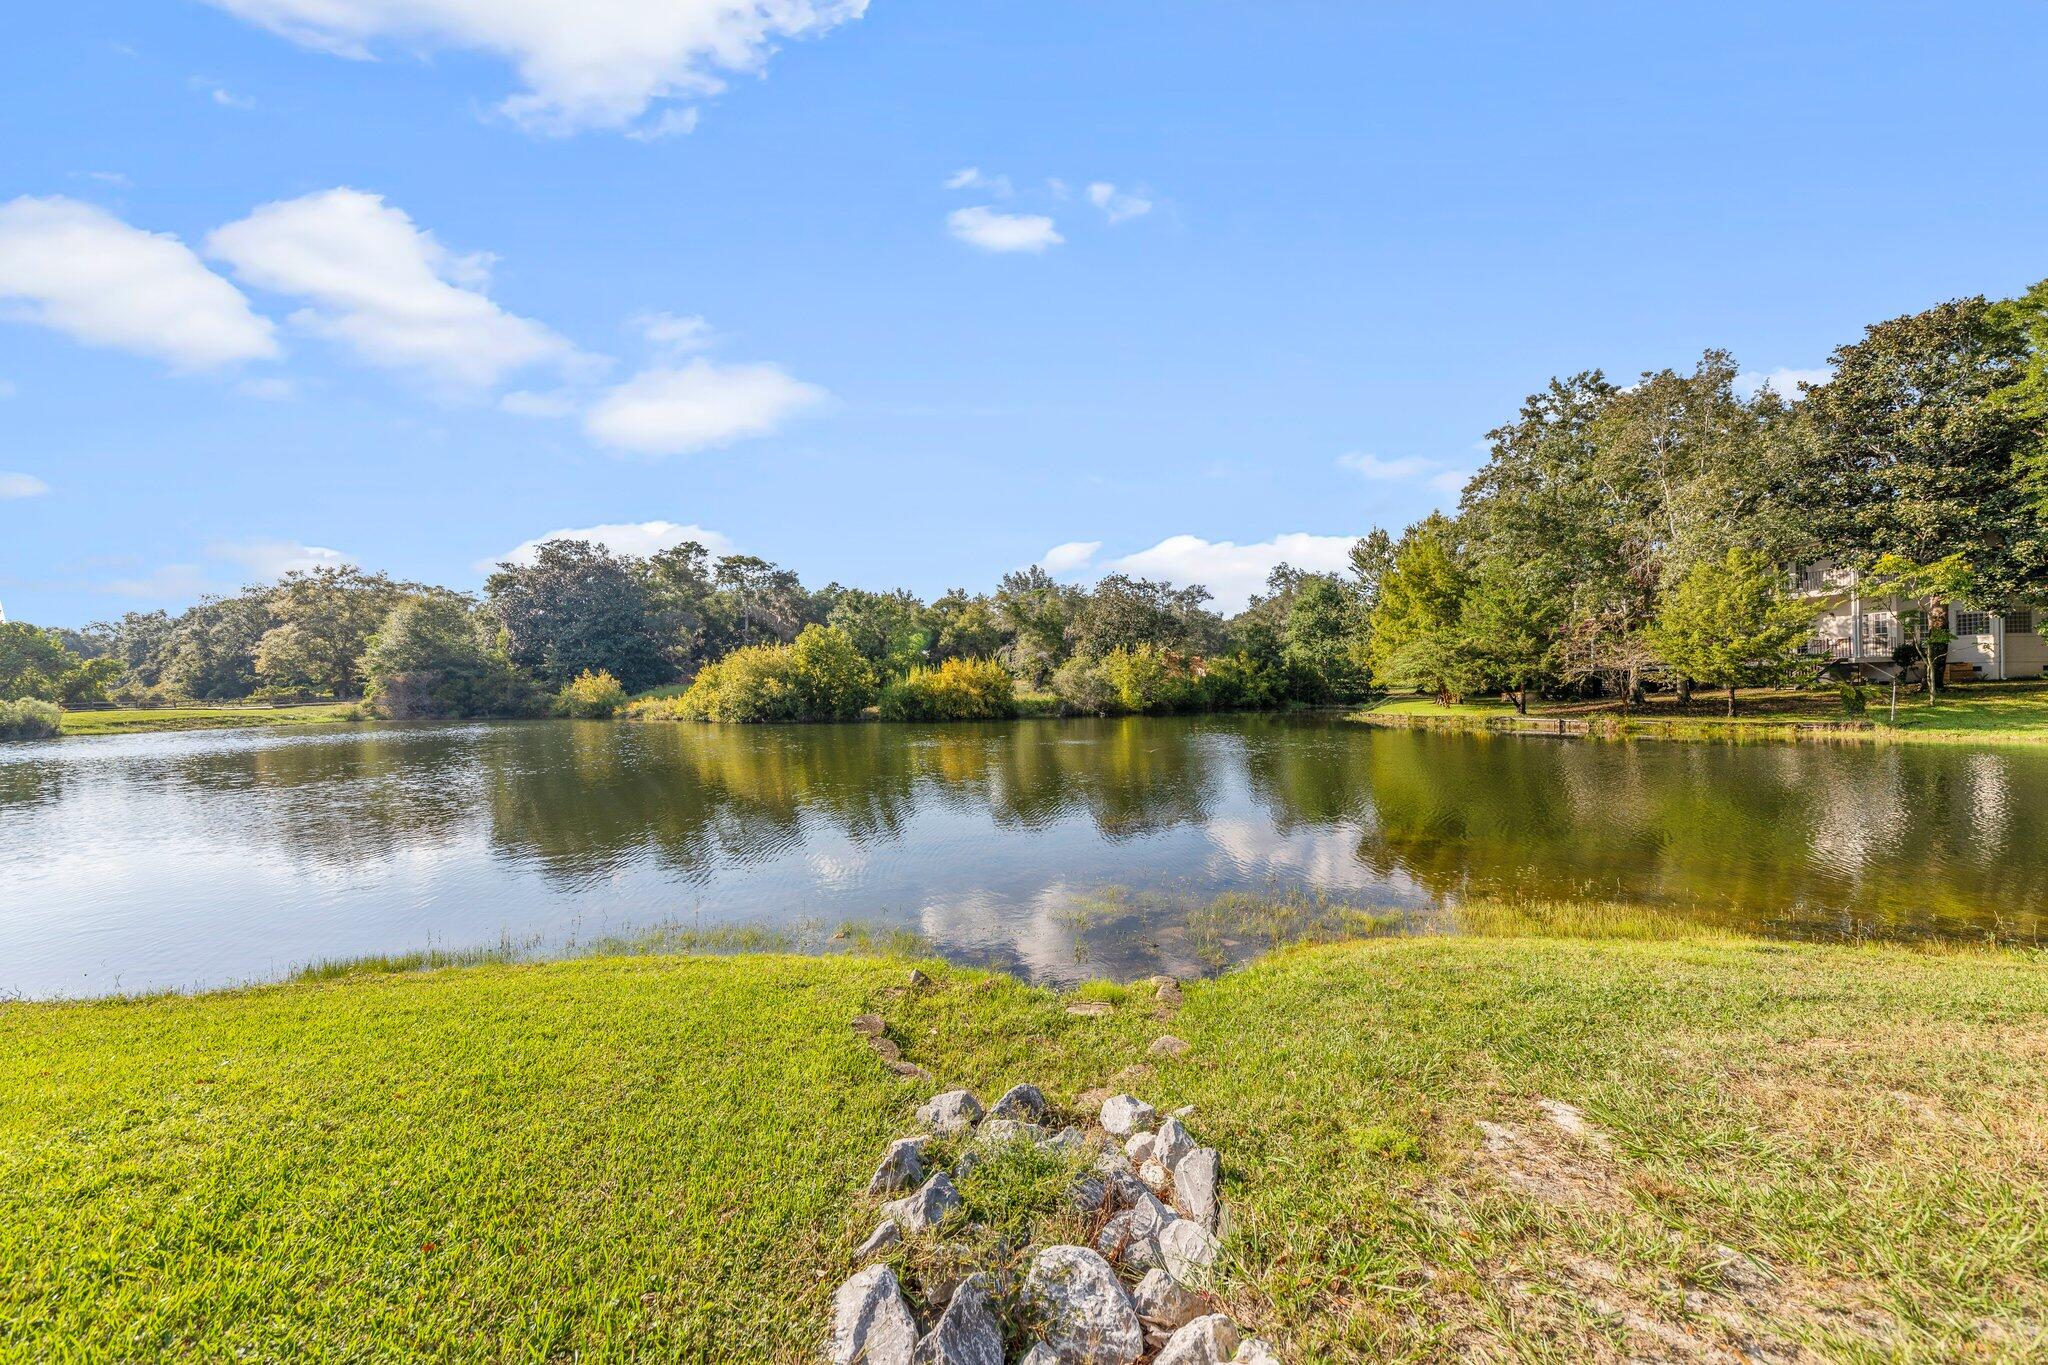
(1620,537)
(1617,538)
(577,620)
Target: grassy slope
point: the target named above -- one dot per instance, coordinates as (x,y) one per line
(1980,711)
(659,1157)
(202,717)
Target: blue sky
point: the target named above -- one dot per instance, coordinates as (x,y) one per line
(416,281)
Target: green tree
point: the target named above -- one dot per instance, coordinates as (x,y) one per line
(1726,624)
(33,662)
(1508,627)
(1123,612)
(1035,612)
(434,657)
(888,628)
(964,626)
(1918,456)
(210,653)
(1421,597)
(1325,640)
(578,608)
(2024,393)
(324,620)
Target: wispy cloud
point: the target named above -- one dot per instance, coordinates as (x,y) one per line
(971,178)
(1118,205)
(983,227)
(220,94)
(1404,469)
(22,486)
(1074,555)
(1232,572)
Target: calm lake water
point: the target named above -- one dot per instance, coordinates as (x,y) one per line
(1057,849)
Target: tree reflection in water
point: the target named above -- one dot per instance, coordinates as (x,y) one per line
(192,859)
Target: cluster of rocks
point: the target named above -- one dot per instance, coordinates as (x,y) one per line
(1144,1188)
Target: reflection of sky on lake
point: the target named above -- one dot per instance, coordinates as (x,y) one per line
(139,862)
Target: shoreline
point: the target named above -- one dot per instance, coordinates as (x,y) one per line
(1425,1138)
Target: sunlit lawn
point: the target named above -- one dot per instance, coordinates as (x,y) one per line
(660,1158)
(2012,710)
(202,717)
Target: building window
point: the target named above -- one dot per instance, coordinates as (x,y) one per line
(1973,623)
(2019,622)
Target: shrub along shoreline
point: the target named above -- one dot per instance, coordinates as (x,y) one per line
(1520,1145)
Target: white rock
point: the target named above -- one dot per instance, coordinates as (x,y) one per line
(1173,1144)
(871,1324)
(881,1239)
(954,1111)
(1195,1181)
(967,1333)
(1132,1236)
(1020,1102)
(1209,1340)
(902,1166)
(1086,1316)
(1040,1354)
(1067,1139)
(1155,1176)
(1139,1148)
(1123,1115)
(994,1132)
(1163,1303)
(1189,1252)
(926,1208)
(1254,1351)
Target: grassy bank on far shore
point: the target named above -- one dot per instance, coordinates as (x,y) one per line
(1975,712)
(138,719)
(1832,1152)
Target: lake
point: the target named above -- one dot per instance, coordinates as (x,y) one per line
(1059,850)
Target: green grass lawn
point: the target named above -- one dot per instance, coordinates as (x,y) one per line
(659,1158)
(2016,711)
(203,717)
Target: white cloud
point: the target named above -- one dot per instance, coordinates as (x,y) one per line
(22,486)
(971,178)
(592,64)
(80,270)
(668,410)
(526,403)
(7,389)
(641,538)
(384,288)
(669,123)
(170,582)
(1378,467)
(1233,572)
(1067,558)
(1439,476)
(1783,382)
(221,95)
(672,332)
(115,178)
(270,559)
(991,231)
(270,390)
(1117,205)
